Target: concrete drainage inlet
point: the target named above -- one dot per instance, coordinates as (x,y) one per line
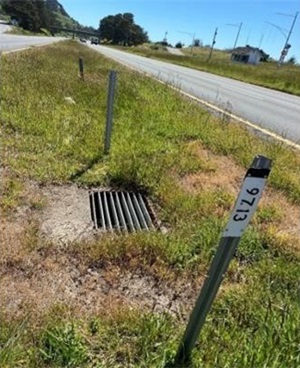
(120,211)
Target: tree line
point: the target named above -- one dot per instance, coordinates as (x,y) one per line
(32,15)
(35,15)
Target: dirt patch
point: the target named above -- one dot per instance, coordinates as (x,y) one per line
(11,246)
(226,176)
(289,213)
(175,51)
(66,217)
(38,273)
(43,281)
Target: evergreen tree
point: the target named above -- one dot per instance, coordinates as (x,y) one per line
(30,14)
(121,29)
(44,14)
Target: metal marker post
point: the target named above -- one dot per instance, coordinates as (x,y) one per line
(242,213)
(110,106)
(81,68)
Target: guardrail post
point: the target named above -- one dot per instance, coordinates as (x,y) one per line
(81,70)
(242,213)
(110,107)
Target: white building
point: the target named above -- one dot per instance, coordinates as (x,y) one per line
(248,55)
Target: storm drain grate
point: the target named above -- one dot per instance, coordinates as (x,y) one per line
(116,210)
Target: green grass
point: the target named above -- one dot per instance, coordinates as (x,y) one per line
(69,138)
(253,327)
(157,137)
(286,78)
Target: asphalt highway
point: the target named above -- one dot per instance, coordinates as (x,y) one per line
(10,42)
(274,113)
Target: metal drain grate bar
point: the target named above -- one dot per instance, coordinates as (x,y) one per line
(126,212)
(121,211)
(139,212)
(106,217)
(114,211)
(93,210)
(102,220)
(132,212)
(145,211)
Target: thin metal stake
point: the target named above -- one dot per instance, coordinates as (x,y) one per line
(110,107)
(81,68)
(242,213)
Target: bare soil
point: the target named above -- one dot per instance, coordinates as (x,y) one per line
(67,215)
(37,271)
(54,279)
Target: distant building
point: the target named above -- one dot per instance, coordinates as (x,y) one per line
(248,55)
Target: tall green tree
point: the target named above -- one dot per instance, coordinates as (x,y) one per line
(122,30)
(30,14)
(46,17)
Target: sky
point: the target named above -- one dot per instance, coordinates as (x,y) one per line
(265,23)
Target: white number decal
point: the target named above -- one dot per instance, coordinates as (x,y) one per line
(245,206)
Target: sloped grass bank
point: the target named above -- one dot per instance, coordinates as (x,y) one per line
(190,164)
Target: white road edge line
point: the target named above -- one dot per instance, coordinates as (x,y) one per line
(205,103)
(246,122)
(220,110)
(229,114)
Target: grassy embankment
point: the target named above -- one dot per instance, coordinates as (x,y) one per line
(286,78)
(23,32)
(190,164)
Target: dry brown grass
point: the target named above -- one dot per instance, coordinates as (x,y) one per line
(43,280)
(227,176)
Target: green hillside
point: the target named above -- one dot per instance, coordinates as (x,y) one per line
(61,17)
(39,14)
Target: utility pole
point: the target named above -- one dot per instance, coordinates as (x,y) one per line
(238,32)
(165,38)
(193,44)
(212,44)
(287,45)
(237,36)
(193,40)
